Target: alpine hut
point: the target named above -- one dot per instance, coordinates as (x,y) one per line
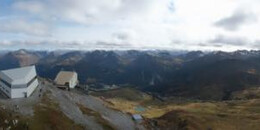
(66,79)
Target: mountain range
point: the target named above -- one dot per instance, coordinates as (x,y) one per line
(196,74)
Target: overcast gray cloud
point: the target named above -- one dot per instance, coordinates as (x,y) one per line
(256,44)
(121,36)
(124,35)
(91,11)
(236,20)
(85,24)
(75,45)
(231,40)
(22,26)
(207,45)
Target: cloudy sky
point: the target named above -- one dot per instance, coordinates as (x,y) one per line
(130,24)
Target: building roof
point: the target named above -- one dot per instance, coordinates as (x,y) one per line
(64,76)
(137,117)
(19,75)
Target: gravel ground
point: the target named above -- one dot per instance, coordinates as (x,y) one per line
(23,106)
(68,101)
(70,109)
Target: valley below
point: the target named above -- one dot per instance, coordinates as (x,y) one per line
(129,64)
(169,90)
(186,114)
(53,108)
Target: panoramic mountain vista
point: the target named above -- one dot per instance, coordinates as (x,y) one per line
(129,65)
(170,89)
(196,75)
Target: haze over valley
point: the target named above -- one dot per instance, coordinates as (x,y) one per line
(129,65)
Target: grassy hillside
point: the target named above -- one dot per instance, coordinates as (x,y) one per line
(251,93)
(129,94)
(178,114)
(47,115)
(233,115)
(98,117)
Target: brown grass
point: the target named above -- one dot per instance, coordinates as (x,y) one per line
(231,115)
(48,116)
(100,120)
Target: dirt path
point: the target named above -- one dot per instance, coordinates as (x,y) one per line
(68,101)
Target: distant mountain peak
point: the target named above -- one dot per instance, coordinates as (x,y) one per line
(21,51)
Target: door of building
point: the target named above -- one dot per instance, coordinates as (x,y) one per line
(25,94)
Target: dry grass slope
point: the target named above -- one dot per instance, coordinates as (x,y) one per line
(230,115)
(48,116)
(100,120)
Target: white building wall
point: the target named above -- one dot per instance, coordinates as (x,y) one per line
(5,89)
(32,87)
(71,84)
(73,81)
(18,92)
(5,78)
